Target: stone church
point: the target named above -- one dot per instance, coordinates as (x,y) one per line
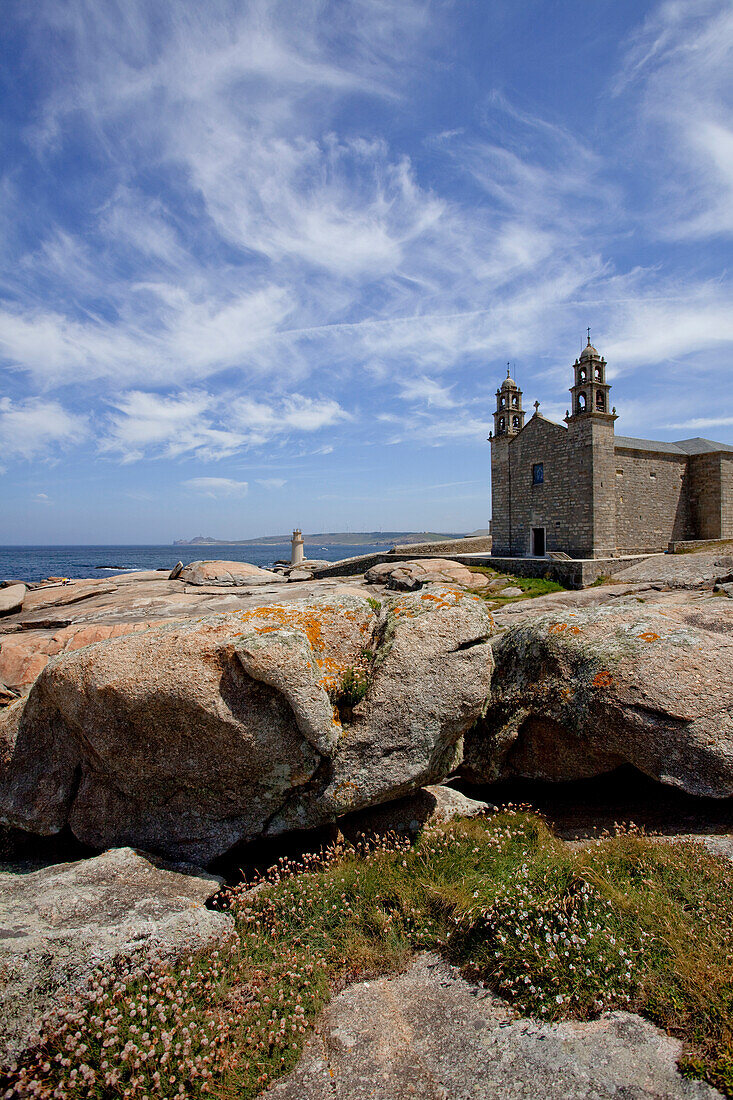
(579,489)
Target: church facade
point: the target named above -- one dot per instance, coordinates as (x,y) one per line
(579,489)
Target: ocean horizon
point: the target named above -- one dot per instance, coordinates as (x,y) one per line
(36,563)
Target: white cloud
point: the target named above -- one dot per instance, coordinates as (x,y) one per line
(35,428)
(700,422)
(209,426)
(41,498)
(217,486)
(428,391)
(271,482)
(679,66)
(263,421)
(167,426)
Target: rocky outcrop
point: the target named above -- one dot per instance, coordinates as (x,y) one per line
(191,736)
(11,599)
(410,576)
(226,573)
(409,816)
(25,654)
(60,923)
(578,694)
(428,1033)
(680,570)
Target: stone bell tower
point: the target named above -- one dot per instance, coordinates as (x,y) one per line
(508,422)
(591,456)
(509,415)
(590,392)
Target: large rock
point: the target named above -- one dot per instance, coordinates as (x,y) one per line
(578,694)
(224,573)
(191,736)
(60,923)
(409,816)
(11,599)
(25,654)
(410,576)
(680,570)
(428,1033)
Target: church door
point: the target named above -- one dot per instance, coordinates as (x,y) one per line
(538,542)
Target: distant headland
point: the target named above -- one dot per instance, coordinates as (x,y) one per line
(330,538)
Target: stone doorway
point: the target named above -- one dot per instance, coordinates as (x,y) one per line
(538,542)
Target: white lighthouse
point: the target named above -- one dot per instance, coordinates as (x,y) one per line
(296,544)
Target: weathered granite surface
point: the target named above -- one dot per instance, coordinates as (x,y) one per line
(409,576)
(59,923)
(680,570)
(582,690)
(429,1034)
(191,736)
(224,573)
(65,617)
(11,599)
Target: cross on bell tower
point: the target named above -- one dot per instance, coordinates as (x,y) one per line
(509,415)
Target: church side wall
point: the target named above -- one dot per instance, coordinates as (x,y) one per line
(652,500)
(706,492)
(726,496)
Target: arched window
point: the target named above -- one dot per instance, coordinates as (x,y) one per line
(515,422)
(515,401)
(502,424)
(581,402)
(582,375)
(600,401)
(598,375)
(502,402)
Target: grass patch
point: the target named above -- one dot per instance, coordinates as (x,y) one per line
(531,586)
(625,923)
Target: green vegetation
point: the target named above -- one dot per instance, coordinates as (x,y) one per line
(626,922)
(351,689)
(530,586)
(376,605)
(601,579)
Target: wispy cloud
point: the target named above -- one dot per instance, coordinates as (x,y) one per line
(217,486)
(679,64)
(35,428)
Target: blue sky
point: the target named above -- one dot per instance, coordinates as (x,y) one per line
(263,263)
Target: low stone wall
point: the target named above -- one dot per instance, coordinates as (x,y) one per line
(700,544)
(348,567)
(574,573)
(476,544)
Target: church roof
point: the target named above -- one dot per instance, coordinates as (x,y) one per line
(680,447)
(699,446)
(589,351)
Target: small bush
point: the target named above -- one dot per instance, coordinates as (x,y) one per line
(351,690)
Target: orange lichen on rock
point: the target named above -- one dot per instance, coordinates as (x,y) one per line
(335,634)
(648,636)
(603,679)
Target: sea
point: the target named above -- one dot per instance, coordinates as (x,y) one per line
(35,563)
